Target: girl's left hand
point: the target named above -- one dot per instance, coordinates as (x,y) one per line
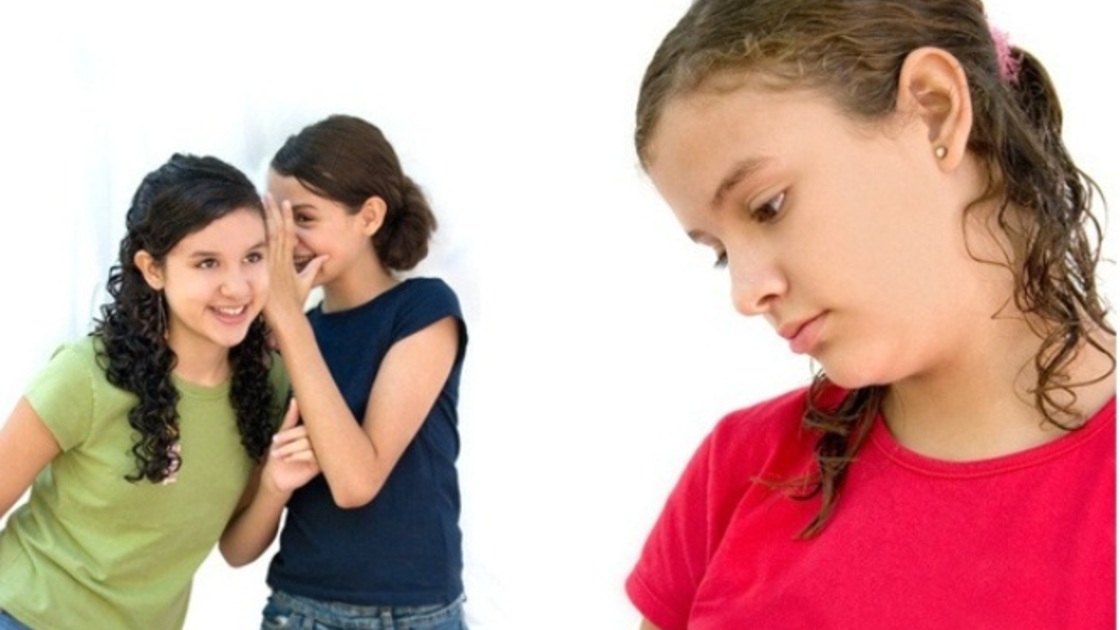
(288,288)
(291,460)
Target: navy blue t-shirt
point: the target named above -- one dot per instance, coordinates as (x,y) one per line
(404,547)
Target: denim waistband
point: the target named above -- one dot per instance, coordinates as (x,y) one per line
(359,616)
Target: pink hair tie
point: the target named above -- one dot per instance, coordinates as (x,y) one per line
(1008,63)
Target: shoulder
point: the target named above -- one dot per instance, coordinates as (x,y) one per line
(65,390)
(77,359)
(432,292)
(421,302)
(738,468)
(759,433)
(765,441)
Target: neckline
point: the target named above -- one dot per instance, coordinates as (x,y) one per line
(1103,419)
(360,307)
(194,390)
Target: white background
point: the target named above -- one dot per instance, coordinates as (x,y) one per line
(602,345)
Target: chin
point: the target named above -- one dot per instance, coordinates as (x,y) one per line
(230,340)
(853,376)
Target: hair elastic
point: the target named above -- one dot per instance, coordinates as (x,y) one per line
(1008,62)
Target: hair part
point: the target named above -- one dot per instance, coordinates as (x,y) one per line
(349,160)
(853,50)
(181,197)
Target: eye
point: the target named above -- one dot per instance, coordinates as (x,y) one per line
(301,219)
(207,263)
(769,210)
(254,257)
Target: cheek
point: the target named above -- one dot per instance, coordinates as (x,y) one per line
(259,279)
(304,236)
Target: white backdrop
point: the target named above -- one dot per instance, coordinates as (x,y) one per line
(603,346)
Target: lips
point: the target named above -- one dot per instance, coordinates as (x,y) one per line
(802,335)
(231,314)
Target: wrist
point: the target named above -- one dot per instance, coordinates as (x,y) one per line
(272,494)
(284,322)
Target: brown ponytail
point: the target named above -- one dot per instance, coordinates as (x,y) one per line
(349,160)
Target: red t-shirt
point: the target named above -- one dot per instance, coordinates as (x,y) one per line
(1023,541)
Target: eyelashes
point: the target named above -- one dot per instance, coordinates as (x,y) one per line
(768,212)
(213,263)
(770,209)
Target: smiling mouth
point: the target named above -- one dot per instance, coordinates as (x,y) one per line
(301,263)
(231,311)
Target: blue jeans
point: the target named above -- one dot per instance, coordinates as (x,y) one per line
(8,622)
(291,612)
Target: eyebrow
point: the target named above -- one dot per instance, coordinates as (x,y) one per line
(206,254)
(739,171)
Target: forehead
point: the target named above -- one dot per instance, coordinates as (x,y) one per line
(288,187)
(236,231)
(700,136)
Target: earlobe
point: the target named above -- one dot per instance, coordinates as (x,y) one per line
(932,84)
(372,215)
(150,269)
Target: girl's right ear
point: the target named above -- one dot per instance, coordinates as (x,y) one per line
(151,270)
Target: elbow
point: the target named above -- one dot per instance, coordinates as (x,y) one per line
(234,559)
(355,495)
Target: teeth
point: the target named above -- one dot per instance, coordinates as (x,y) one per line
(231,311)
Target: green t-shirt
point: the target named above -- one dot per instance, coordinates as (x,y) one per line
(91,549)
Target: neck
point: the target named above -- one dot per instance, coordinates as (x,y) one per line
(205,366)
(980,404)
(360,283)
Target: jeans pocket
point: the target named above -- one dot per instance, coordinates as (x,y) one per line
(276,617)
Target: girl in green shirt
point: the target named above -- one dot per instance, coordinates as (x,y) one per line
(141,442)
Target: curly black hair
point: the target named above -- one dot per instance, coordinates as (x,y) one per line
(179,198)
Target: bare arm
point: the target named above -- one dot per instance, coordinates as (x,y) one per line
(291,463)
(357,458)
(26,447)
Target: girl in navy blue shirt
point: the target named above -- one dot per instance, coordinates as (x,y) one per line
(375,370)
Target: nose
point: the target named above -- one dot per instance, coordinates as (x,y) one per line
(756,283)
(235,284)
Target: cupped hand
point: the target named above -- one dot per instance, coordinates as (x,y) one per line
(288,287)
(291,460)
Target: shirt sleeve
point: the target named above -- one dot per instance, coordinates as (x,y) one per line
(674,559)
(432,301)
(62,393)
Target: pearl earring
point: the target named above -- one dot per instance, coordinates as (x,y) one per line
(940,151)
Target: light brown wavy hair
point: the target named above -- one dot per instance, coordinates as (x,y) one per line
(853,50)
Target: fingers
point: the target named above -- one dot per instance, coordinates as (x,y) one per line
(272,218)
(310,273)
(292,445)
(280,228)
(291,418)
(295,451)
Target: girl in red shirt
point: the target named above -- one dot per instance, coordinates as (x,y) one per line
(886,183)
